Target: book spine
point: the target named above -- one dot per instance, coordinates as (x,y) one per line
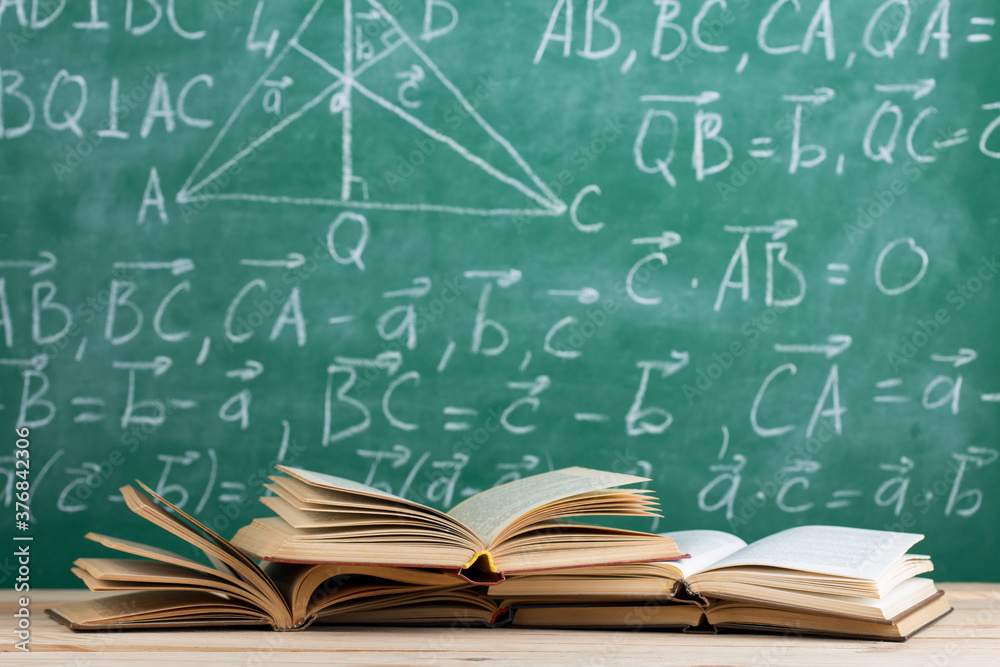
(683,593)
(300,625)
(479,554)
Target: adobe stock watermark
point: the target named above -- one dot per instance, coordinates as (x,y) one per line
(581,159)
(723,359)
(454,117)
(788,130)
(574,333)
(122,106)
(798,460)
(883,200)
(706,32)
(192,205)
(928,327)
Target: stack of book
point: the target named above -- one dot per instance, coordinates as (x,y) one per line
(339,552)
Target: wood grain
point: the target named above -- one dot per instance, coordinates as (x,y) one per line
(969,636)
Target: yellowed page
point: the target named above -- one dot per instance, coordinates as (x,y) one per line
(273,539)
(330,482)
(156,553)
(326,495)
(325,481)
(191,530)
(187,529)
(150,604)
(489,512)
(898,601)
(148,571)
(120,574)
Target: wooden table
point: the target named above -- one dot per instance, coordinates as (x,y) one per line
(968,636)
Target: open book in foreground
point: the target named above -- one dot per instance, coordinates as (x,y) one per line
(811,580)
(517,527)
(169,590)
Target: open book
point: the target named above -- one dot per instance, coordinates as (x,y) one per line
(517,527)
(169,590)
(813,579)
(809,580)
(166,589)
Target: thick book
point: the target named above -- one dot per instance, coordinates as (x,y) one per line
(167,590)
(162,589)
(811,579)
(722,616)
(516,527)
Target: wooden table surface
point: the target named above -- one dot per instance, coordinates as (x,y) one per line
(968,636)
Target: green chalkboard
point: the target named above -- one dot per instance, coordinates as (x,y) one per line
(747,249)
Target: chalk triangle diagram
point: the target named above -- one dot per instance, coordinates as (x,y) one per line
(351,135)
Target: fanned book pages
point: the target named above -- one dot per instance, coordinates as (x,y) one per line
(168,590)
(811,579)
(820,580)
(516,527)
(157,588)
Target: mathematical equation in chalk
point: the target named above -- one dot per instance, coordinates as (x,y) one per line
(792,488)
(268,305)
(892,136)
(381,357)
(681,32)
(682,129)
(954,490)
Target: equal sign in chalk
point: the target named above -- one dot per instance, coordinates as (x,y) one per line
(237,487)
(763,148)
(838,271)
(459,412)
(842,498)
(980,37)
(890,398)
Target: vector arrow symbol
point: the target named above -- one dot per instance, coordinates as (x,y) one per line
(503,278)
(922,88)
(248,372)
(835,345)
(47,263)
(663,241)
(964,356)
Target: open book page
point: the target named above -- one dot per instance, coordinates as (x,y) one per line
(832,550)
(487,513)
(171,518)
(741,614)
(456,608)
(130,574)
(153,606)
(332,482)
(705,546)
(162,555)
